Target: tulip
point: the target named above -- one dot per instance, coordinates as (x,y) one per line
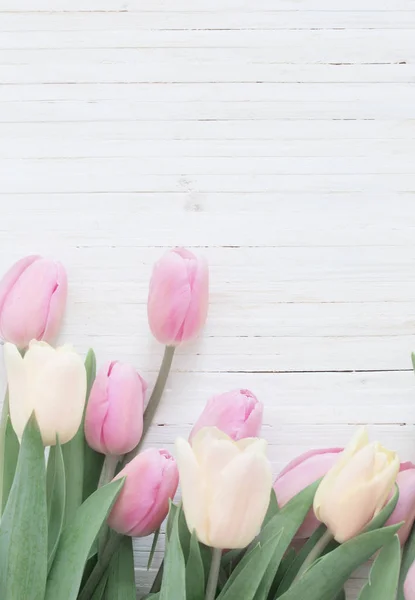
(237,413)
(151,481)
(226,487)
(299,474)
(49,382)
(114,414)
(178,297)
(32,300)
(409,585)
(356,488)
(405,508)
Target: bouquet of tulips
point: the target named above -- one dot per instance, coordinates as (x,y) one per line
(76,484)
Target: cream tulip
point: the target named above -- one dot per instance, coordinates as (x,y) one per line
(49,382)
(226,487)
(357,487)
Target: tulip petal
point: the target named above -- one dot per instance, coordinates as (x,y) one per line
(240,501)
(193,490)
(57,304)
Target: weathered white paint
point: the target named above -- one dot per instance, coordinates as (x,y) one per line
(275,136)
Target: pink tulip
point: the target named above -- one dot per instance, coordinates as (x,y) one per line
(405,508)
(300,473)
(151,481)
(32,300)
(178,297)
(409,585)
(114,414)
(237,413)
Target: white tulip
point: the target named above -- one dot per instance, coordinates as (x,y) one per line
(49,382)
(226,487)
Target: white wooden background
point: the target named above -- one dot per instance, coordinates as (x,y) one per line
(275,136)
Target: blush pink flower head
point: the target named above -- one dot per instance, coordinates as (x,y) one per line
(114,414)
(32,301)
(299,474)
(237,413)
(178,297)
(151,481)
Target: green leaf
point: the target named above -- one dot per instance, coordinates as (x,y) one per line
(407,560)
(295,566)
(79,466)
(100,589)
(273,508)
(156,587)
(66,573)
(23,528)
(11,453)
(384,575)
(93,461)
(380,519)
(174,579)
(287,520)
(153,548)
(3,423)
(341,595)
(173,509)
(55,499)
(328,574)
(247,577)
(285,564)
(195,573)
(121,581)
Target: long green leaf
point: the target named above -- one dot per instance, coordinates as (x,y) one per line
(295,566)
(11,453)
(273,509)
(100,589)
(3,423)
(287,520)
(74,456)
(93,461)
(66,573)
(153,548)
(174,580)
(384,575)
(23,528)
(55,499)
(244,582)
(408,559)
(121,581)
(195,573)
(327,575)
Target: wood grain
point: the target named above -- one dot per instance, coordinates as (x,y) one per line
(276,137)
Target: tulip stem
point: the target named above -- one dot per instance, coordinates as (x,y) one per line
(98,571)
(315,553)
(213,574)
(108,470)
(154,401)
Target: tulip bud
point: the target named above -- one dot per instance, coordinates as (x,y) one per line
(178,297)
(52,383)
(405,508)
(409,585)
(143,503)
(299,474)
(237,413)
(32,300)
(356,488)
(114,414)
(226,487)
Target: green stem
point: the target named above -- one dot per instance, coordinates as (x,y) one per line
(108,469)
(315,553)
(212,583)
(154,401)
(101,566)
